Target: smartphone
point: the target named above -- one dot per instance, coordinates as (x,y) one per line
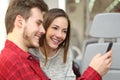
(109,46)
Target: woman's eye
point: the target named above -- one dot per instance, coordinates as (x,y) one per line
(54,28)
(65,31)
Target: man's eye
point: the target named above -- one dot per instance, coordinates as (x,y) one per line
(38,23)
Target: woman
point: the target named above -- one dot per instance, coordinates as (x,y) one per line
(56,56)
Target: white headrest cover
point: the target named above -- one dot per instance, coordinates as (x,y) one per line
(106,25)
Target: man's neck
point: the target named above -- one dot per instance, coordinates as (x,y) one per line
(17,40)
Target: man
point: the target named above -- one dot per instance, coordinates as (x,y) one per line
(23,22)
(24,28)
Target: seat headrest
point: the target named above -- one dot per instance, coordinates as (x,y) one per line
(106,25)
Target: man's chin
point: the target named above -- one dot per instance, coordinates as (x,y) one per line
(34,45)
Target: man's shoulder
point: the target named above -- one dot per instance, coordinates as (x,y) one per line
(9,56)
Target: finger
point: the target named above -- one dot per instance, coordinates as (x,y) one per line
(98,55)
(110,63)
(108,54)
(109,60)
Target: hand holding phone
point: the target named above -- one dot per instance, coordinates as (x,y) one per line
(109,46)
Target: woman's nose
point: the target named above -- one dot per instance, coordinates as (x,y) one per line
(59,34)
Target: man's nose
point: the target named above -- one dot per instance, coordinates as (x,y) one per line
(41,29)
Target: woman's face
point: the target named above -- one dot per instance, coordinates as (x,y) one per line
(56,32)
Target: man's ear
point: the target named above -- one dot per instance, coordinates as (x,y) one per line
(19,21)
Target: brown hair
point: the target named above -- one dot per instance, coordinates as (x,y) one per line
(21,7)
(48,19)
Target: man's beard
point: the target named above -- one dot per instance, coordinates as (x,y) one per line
(27,39)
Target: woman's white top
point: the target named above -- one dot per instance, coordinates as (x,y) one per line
(55,69)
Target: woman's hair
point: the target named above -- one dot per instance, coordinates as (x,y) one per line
(48,19)
(23,8)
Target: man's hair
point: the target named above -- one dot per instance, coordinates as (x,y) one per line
(23,8)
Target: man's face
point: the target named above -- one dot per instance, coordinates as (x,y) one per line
(33,28)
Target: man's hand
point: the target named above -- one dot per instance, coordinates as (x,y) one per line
(102,63)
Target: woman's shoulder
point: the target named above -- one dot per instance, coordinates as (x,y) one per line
(34,51)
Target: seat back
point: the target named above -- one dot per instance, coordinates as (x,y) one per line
(105,27)
(92,49)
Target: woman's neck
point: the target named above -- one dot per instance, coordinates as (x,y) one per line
(50,52)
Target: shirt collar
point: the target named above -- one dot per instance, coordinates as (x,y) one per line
(18,50)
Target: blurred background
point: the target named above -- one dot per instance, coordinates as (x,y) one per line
(80,12)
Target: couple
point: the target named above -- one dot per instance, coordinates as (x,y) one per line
(24,23)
